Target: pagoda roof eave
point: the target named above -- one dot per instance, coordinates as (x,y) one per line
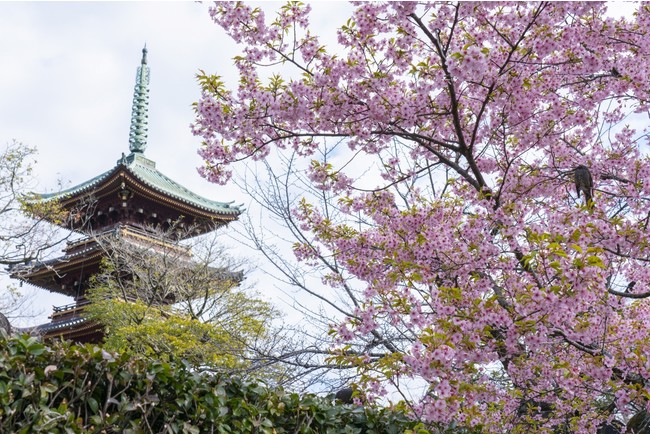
(144,170)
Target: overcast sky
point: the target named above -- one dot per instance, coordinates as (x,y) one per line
(67,72)
(67,76)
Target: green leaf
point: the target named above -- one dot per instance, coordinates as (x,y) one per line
(92,403)
(595,261)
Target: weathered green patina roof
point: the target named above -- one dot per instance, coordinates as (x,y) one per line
(144,170)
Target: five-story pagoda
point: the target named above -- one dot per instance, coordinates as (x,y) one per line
(132,199)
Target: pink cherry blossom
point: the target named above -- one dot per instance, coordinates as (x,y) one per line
(523,307)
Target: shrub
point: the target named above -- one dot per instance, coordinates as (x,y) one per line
(63,388)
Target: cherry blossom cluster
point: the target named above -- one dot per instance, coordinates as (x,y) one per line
(521,306)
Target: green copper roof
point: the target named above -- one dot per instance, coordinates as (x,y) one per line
(144,170)
(138,132)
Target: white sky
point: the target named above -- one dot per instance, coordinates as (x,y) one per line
(67,72)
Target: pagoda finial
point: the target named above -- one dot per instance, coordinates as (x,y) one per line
(139,116)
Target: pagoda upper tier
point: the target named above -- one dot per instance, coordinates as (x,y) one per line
(135,192)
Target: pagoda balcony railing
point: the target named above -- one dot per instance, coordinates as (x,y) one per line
(133,232)
(71,306)
(152,238)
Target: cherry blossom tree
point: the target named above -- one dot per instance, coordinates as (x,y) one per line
(473,263)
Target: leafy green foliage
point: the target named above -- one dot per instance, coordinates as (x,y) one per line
(158,300)
(81,389)
(161,332)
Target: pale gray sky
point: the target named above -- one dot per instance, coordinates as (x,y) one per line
(67,71)
(67,77)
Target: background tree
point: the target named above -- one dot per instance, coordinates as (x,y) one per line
(162,298)
(519,307)
(25,232)
(277,190)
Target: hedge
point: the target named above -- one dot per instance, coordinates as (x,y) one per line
(63,388)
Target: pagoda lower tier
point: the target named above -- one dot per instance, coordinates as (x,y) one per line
(69,323)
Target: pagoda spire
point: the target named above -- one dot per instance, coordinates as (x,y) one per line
(139,116)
